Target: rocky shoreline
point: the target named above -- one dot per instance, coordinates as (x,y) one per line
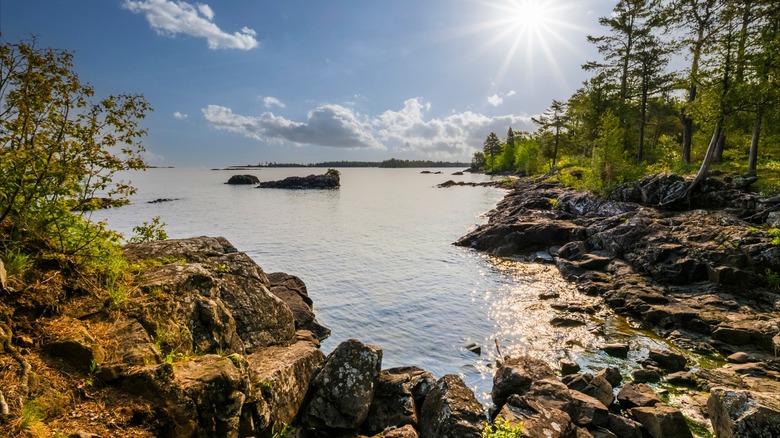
(207,344)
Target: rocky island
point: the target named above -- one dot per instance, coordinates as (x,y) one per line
(329,180)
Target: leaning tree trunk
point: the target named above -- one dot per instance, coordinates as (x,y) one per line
(709,157)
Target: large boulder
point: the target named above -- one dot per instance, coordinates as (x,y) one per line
(329,180)
(202,295)
(281,377)
(516,375)
(451,411)
(596,386)
(662,421)
(70,339)
(343,389)
(539,422)
(740,413)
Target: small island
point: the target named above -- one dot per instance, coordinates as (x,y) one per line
(329,180)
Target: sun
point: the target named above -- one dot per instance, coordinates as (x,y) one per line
(531,32)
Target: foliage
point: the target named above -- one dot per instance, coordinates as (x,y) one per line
(502,429)
(149,231)
(59,148)
(492,148)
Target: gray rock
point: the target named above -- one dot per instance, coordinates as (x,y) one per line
(281,377)
(292,290)
(662,421)
(343,389)
(451,411)
(516,375)
(739,413)
(398,398)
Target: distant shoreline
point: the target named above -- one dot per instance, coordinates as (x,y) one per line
(391,163)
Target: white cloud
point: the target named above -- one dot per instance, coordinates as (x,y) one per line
(455,136)
(495,100)
(511,93)
(180,116)
(270,101)
(178,17)
(327,125)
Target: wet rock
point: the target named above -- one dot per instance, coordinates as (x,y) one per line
(613,376)
(645,376)
(516,375)
(281,376)
(243,179)
(398,398)
(738,413)
(568,320)
(473,347)
(569,366)
(616,350)
(343,389)
(329,180)
(682,378)
(451,410)
(667,360)
(633,395)
(292,290)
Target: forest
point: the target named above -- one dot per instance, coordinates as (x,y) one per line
(681,86)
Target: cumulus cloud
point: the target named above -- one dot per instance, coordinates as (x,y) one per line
(327,125)
(270,101)
(180,116)
(495,100)
(168,17)
(408,129)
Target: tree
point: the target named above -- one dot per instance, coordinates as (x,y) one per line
(59,148)
(492,148)
(554,118)
(478,160)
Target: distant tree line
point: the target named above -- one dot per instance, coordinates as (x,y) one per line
(391,163)
(636,115)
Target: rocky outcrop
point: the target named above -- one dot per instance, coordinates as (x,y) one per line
(329,180)
(243,180)
(451,410)
(738,413)
(292,290)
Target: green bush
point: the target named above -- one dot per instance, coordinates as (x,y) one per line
(502,429)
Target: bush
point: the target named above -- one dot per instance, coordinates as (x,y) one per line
(59,148)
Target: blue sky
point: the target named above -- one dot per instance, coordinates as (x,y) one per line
(249,81)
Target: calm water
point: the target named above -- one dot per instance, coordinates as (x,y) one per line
(378,260)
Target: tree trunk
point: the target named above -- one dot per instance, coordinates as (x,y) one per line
(708,158)
(642,123)
(752,161)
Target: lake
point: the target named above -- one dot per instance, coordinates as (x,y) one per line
(379,264)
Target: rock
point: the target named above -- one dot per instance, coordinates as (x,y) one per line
(292,291)
(645,376)
(569,366)
(281,376)
(776,345)
(473,347)
(624,427)
(330,180)
(587,411)
(662,421)
(738,357)
(210,298)
(161,200)
(70,340)
(402,432)
(398,398)
(613,376)
(739,413)
(243,179)
(546,422)
(546,394)
(633,395)
(516,375)
(568,320)
(451,410)
(343,389)
(595,386)
(133,344)
(667,360)
(616,350)
(682,378)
